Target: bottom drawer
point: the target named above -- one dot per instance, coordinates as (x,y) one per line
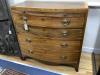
(56,57)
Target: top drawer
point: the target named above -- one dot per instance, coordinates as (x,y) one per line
(52,20)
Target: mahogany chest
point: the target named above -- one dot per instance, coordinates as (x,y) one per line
(50,32)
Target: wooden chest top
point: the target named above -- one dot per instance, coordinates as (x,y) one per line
(40,6)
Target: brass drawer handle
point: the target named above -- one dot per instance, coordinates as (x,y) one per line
(28,40)
(65,33)
(30,51)
(63,57)
(65,22)
(64,45)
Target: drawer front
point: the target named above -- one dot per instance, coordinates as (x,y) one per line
(61,34)
(56,57)
(64,59)
(49,45)
(57,21)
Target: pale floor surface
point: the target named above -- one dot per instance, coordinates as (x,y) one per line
(85,67)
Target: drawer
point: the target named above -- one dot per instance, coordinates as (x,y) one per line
(47,45)
(51,20)
(61,58)
(49,33)
(54,57)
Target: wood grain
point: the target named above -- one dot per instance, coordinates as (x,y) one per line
(50,33)
(55,31)
(40,6)
(48,45)
(52,22)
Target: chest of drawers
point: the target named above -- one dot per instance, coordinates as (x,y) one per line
(50,32)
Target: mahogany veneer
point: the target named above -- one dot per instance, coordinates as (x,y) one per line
(50,31)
